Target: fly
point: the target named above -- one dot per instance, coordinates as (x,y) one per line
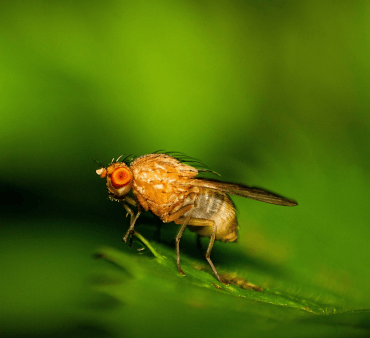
(171,190)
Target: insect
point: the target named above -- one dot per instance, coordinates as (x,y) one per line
(170,189)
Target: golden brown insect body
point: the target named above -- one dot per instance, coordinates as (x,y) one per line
(170,189)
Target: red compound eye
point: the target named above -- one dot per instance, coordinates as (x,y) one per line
(120,177)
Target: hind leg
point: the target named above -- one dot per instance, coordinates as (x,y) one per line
(208,255)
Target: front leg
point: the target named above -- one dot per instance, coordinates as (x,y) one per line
(133,217)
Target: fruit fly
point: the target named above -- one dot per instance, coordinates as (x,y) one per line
(170,189)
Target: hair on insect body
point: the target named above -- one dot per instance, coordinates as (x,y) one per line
(168,186)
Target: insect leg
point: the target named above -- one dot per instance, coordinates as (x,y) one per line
(132,220)
(208,254)
(178,237)
(206,223)
(131,200)
(198,222)
(128,209)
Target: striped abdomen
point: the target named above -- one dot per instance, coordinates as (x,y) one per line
(217,207)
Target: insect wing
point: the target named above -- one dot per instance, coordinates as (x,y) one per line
(244,191)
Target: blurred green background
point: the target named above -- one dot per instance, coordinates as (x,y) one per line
(268,93)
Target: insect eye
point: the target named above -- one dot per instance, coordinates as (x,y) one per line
(120,177)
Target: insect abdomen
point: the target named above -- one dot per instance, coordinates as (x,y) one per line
(215,206)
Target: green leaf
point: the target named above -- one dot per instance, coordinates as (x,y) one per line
(153,272)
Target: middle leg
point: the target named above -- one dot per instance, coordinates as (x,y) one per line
(178,237)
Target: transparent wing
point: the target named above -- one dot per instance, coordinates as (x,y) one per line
(244,191)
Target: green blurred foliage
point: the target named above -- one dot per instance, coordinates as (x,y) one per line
(269,93)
